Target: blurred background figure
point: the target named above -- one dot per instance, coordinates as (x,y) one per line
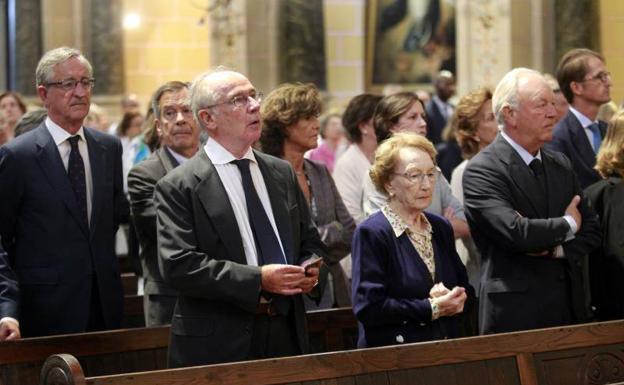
(439,109)
(290,127)
(409,284)
(129,103)
(13,108)
(130,126)
(391,88)
(30,120)
(607,111)
(333,142)
(96,118)
(561,104)
(607,263)
(475,127)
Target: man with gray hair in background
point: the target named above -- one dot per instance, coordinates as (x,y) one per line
(234,237)
(61,202)
(527,216)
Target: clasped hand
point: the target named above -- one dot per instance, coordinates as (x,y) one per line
(450,302)
(288,279)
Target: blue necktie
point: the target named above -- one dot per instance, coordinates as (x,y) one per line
(595,129)
(76,172)
(267,244)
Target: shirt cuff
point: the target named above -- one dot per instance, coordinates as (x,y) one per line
(573,227)
(435,310)
(9,319)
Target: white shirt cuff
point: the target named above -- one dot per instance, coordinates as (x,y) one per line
(9,319)
(573,227)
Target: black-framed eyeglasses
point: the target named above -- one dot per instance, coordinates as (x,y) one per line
(419,178)
(70,84)
(240,100)
(603,76)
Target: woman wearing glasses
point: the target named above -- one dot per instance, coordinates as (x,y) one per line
(409,284)
(290,127)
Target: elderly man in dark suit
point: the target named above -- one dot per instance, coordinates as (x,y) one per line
(61,202)
(179,139)
(233,231)
(586,83)
(527,216)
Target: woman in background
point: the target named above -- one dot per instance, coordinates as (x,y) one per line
(290,127)
(332,135)
(13,107)
(607,263)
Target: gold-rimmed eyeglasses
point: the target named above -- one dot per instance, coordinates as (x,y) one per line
(70,84)
(419,177)
(603,76)
(240,100)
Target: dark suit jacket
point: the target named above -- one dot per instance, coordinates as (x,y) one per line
(569,138)
(391,283)
(435,122)
(335,225)
(142,180)
(201,255)
(607,263)
(53,256)
(504,207)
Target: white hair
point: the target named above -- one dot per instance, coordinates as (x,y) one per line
(45,68)
(506,92)
(205,92)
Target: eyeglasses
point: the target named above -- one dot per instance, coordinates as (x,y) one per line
(241,100)
(604,77)
(418,178)
(70,84)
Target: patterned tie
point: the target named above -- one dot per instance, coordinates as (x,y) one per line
(267,245)
(76,172)
(595,129)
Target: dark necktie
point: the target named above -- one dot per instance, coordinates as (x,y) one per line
(538,172)
(76,172)
(267,244)
(595,129)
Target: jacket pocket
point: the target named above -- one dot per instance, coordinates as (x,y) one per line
(37,276)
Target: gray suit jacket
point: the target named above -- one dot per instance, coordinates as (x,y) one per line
(53,255)
(201,255)
(505,211)
(335,225)
(142,180)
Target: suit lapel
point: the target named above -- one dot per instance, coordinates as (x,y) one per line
(581,142)
(167,160)
(50,162)
(97,159)
(521,175)
(279,202)
(214,199)
(407,246)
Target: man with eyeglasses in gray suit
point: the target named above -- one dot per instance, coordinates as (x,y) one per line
(61,202)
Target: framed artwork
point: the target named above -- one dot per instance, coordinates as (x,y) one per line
(408,41)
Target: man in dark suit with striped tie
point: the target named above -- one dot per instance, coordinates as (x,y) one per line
(586,83)
(61,202)
(233,231)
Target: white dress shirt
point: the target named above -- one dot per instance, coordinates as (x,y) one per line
(348,174)
(232,182)
(60,137)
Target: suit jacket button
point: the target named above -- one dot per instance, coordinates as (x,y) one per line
(399,338)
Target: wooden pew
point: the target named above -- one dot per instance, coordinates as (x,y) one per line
(129,282)
(582,354)
(141,349)
(133,314)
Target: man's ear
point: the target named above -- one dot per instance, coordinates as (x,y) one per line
(576,88)
(509,116)
(43,94)
(158,126)
(206,119)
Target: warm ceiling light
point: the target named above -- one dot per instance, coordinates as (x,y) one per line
(132,21)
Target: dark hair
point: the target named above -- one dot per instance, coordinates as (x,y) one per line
(390,109)
(172,86)
(360,109)
(17,98)
(126,121)
(30,120)
(573,68)
(283,107)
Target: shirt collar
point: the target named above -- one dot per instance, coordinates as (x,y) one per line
(524,154)
(441,104)
(59,135)
(584,120)
(398,224)
(219,155)
(179,157)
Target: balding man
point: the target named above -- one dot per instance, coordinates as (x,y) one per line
(233,229)
(527,217)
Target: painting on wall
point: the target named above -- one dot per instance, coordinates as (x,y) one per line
(408,41)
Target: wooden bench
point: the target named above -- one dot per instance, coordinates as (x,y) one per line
(583,354)
(129,281)
(141,349)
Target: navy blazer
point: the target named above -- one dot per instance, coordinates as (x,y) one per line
(52,255)
(569,138)
(435,122)
(391,283)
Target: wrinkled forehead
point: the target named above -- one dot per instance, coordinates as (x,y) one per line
(229,84)
(178,97)
(534,87)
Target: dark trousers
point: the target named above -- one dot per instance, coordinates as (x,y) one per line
(273,336)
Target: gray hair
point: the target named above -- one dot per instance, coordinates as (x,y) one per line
(506,92)
(204,92)
(50,59)
(171,86)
